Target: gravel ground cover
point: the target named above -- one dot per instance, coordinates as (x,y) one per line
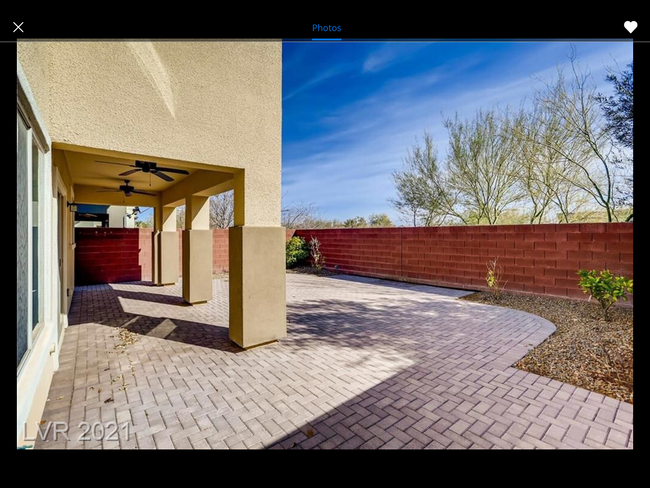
(311,270)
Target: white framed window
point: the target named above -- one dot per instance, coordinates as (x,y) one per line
(30,208)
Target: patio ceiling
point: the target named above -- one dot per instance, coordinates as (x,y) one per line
(89,176)
(85,171)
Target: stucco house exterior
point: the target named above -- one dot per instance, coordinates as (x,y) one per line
(211,109)
(114,216)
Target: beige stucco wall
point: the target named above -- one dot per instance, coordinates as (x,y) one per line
(60,164)
(216,103)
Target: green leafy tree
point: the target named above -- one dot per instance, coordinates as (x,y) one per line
(419,187)
(380,220)
(618,108)
(548,178)
(619,113)
(355,222)
(482,173)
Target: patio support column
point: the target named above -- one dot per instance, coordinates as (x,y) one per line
(257,278)
(197,250)
(165,247)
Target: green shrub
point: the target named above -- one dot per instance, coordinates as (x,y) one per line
(297,251)
(604,287)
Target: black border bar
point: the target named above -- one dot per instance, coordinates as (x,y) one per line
(444,27)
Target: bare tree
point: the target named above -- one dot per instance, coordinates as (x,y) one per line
(587,146)
(180,217)
(295,216)
(222,210)
(303,216)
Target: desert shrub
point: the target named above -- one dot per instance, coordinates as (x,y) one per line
(604,287)
(297,251)
(494,277)
(318,260)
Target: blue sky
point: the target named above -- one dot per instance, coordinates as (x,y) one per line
(351,110)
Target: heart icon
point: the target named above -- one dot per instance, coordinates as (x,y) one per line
(630,26)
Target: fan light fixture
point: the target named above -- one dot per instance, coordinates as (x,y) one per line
(127,189)
(148,167)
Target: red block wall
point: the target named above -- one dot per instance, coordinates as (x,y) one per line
(106,255)
(540,259)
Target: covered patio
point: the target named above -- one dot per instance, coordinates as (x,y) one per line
(95,179)
(366,363)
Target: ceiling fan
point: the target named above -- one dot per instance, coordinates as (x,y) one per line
(149,167)
(127,189)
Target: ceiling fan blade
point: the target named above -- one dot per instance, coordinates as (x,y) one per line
(174,170)
(143,193)
(130,172)
(111,162)
(106,191)
(162,176)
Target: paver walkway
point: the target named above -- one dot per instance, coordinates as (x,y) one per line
(366,364)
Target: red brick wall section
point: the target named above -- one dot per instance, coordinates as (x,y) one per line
(107,255)
(539,259)
(145,255)
(219,251)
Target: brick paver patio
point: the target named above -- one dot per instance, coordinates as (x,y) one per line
(366,364)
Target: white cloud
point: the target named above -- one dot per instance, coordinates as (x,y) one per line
(391,53)
(316,80)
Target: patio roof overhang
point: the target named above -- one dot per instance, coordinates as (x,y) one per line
(89,177)
(257,306)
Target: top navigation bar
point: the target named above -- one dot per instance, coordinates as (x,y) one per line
(625,27)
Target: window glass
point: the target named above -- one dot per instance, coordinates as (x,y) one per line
(22,251)
(37,231)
